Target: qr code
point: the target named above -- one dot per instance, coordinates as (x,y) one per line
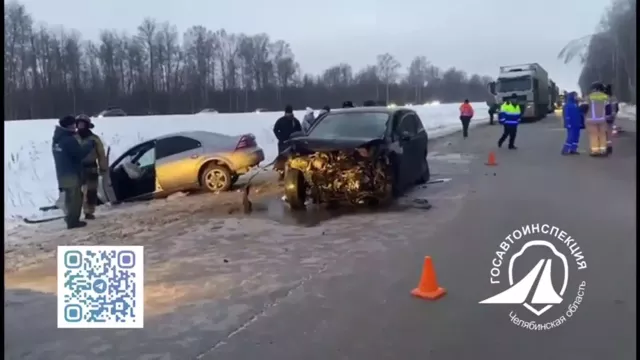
(100,287)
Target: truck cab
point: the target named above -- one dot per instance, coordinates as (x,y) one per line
(530,83)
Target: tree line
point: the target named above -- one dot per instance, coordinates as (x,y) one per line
(51,71)
(609,54)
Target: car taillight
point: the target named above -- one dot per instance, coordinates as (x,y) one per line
(246,141)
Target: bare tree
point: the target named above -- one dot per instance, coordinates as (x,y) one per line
(418,76)
(388,71)
(52,71)
(609,54)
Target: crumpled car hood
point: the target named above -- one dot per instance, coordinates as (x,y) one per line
(323,144)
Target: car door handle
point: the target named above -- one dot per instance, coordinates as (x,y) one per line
(194,156)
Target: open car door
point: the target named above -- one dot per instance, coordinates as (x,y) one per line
(106,194)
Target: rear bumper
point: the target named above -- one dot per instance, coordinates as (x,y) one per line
(244,161)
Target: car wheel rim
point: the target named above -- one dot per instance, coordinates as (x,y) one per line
(216,179)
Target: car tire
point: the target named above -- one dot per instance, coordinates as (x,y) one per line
(295,189)
(396,190)
(426,174)
(216,178)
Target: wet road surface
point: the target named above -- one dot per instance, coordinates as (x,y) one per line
(336,286)
(368,314)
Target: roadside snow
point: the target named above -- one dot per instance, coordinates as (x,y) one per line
(628,111)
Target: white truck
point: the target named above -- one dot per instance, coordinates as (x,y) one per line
(535,92)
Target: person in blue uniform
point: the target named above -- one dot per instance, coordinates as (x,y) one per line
(509,117)
(574,123)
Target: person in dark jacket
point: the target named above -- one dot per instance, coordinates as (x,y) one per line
(93,165)
(67,156)
(612,109)
(282,129)
(347,104)
(493,110)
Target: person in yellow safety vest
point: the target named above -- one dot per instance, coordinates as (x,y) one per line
(509,117)
(595,119)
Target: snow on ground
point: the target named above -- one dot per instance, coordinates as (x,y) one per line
(30,175)
(628,111)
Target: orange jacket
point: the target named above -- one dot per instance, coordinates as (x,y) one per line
(466,110)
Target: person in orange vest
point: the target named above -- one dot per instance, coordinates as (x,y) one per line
(466,113)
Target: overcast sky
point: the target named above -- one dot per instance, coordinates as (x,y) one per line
(473,35)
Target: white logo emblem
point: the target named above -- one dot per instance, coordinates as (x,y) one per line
(536,290)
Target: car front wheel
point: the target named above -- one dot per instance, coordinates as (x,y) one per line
(426,173)
(216,178)
(295,189)
(396,188)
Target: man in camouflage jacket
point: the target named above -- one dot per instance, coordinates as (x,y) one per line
(93,165)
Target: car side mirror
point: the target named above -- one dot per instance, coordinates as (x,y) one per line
(296,134)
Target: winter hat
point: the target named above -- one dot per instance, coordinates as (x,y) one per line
(288,109)
(347,104)
(326,108)
(67,121)
(86,119)
(309,110)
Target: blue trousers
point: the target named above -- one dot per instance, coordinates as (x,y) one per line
(573,139)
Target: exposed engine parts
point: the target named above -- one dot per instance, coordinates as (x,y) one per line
(355,176)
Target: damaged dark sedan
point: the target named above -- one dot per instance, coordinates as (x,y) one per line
(365,155)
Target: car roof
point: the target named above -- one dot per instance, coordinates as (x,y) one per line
(202,136)
(367,109)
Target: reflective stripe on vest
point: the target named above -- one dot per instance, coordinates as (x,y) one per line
(597,106)
(511,114)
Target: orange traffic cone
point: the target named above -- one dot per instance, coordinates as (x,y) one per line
(492,159)
(428,287)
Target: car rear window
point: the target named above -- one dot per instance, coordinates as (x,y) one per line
(365,124)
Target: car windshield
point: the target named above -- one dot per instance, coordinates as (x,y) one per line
(357,124)
(506,85)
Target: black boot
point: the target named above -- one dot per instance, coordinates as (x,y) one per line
(75,225)
(89,217)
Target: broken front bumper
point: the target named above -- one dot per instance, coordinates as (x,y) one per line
(344,176)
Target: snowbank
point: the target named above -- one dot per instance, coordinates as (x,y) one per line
(628,111)
(30,175)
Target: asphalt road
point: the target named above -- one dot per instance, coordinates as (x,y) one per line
(368,314)
(340,290)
